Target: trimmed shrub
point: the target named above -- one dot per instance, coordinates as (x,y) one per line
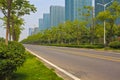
(11,57)
(79,46)
(115,44)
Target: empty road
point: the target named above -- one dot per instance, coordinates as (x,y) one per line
(86,64)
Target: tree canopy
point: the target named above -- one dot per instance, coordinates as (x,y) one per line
(88,31)
(13,10)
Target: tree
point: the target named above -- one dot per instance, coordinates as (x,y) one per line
(111,14)
(24,7)
(98,31)
(115,14)
(88,13)
(16,7)
(118,31)
(69,31)
(80,30)
(60,33)
(6,8)
(16,27)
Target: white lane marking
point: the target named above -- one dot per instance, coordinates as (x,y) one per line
(60,69)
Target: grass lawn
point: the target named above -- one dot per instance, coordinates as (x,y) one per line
(33,69)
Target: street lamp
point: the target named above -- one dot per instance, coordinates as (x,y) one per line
(104,5)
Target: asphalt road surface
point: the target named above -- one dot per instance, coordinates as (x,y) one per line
(86,64)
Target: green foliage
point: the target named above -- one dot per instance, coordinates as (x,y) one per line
(115,44)
(2,39)
(110,16)
(118,31)
(13,10)
(82,32)
(69,32)
(16,27)
(11,57)
(79,46)
(103,15)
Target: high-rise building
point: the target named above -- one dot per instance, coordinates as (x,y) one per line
(57,15)
(46,21)
(36,30)
(69,10)
(75,8)
(41,27)
(31,30)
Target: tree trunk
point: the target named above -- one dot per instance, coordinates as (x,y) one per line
(8,21)
(13,31)
(92,27)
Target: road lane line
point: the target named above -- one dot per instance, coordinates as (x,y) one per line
(90,55)
(60,69)
(96,50)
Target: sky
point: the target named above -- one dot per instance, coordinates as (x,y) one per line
(32,19)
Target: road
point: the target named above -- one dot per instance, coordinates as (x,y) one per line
(86,64)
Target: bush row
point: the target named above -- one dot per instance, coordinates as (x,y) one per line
(115,44)
(12,56)
(79,46)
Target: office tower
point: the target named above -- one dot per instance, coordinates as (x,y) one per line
(46,21)
(41,27)
(75,8)
(69,10)
(31,30)
(36,30)
(57,15)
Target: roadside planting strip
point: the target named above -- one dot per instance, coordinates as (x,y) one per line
(53,65)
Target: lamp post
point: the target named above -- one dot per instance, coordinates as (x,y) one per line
(104,5)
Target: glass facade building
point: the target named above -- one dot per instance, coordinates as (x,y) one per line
(74,9)
(36,30)
(69,10)
(31,30)
(46,20)
(57,15)
(41,27)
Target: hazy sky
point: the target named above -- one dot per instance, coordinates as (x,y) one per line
(32,20)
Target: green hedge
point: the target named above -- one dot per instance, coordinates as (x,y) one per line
(11,57)
(115,44)
(79,46)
